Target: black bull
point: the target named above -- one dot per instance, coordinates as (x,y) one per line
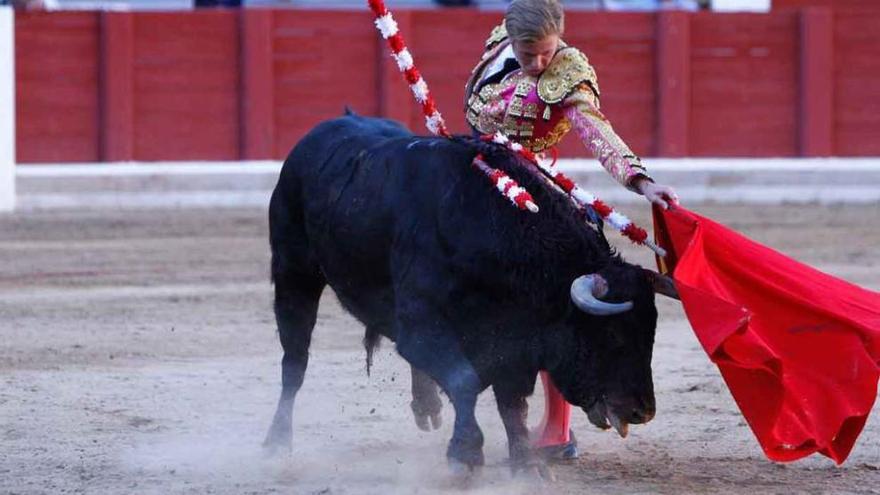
(419,247)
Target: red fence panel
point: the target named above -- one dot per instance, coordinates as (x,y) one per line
(673,84)
(232,84)
(257,84)
(816,115)
(322,61)
(56,72)
(621,47)
(744,84)
(116,89)
(186,86)
(856,82)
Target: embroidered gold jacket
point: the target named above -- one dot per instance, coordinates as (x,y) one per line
(538,112)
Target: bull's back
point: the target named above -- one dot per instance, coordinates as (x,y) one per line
(334,206)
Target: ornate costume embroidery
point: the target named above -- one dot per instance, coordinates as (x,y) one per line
(568,69)
(551,138)
(598,137)
(498,34)
(538,113)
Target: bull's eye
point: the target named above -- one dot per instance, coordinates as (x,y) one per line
(617,338)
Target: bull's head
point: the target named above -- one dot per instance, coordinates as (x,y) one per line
(608,370)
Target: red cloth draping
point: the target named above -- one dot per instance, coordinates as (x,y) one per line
(798,349)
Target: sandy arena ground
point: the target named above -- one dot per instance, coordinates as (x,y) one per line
(138,355)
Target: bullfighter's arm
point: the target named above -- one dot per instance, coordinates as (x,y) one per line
(597,135)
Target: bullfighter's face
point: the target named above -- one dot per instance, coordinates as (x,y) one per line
(535,56)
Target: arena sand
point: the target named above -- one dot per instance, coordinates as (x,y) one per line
(138,354)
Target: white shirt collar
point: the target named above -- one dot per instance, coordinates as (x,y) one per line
(498,64)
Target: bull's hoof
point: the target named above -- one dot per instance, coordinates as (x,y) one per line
(427,414)
(562,452)
(273,451)
(278,442)
(463,475)
(465,461)
(427,422)
(533,470)
(469,456)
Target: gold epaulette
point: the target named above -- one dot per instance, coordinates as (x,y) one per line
(499,34)
(568,69)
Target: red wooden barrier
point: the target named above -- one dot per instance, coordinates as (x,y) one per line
(856,79)
(232,84)
(257,80)
(56,66)
(817,82)
(673,84)
(186,86)
(116,89)
(321,62)
(622,48)
(744,82)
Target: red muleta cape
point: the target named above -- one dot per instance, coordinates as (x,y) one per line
(799,349)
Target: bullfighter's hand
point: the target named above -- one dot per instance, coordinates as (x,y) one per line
(663,196)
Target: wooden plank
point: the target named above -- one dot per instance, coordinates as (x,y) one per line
(116,93)
(817,82)
(673,81)
(323,61)
(744,84)
(187,85)
(56,72)
(856,79)
(257,84)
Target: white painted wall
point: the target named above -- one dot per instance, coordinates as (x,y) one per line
(741,5)
(133,185)
(7,109)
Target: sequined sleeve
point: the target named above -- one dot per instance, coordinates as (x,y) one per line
(594,130)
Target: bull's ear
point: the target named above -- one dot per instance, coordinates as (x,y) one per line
(662,284)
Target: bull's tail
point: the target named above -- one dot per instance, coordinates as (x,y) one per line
(372,338)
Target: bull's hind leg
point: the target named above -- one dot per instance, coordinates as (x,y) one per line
(510,395)
(296,308)
(426,403)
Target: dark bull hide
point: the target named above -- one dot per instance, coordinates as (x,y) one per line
(475,293)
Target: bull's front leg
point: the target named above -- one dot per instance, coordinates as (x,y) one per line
(466,446)
(426,404)
(510,396)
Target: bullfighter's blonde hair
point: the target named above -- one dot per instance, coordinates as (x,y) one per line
(532,20)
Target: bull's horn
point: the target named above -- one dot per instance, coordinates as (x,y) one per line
(662,284)
(584,290)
